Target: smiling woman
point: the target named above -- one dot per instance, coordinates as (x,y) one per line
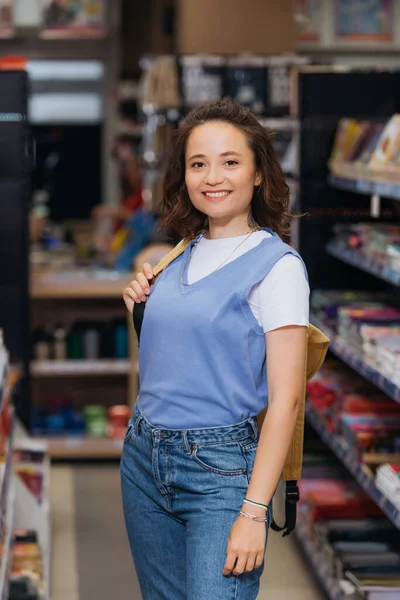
(197,475)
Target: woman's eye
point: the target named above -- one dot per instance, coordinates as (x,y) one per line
(231,163)
(197,165)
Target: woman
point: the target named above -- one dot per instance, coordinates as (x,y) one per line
(197,477)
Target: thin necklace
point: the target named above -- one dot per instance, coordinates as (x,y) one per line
(219,266)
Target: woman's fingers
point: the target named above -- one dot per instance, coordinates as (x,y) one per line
(240,564)
(144,282)
(138,289)
(148,270)
(229,563)
(251,563)
(129,299)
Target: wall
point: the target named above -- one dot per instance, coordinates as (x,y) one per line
(235,26)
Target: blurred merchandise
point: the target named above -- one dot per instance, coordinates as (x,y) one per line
(96,421)
(159,87)
(202,79)
(118,419)
(247,80)
(80,18)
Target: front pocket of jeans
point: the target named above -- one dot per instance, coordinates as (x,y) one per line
(129,431)
(220,460)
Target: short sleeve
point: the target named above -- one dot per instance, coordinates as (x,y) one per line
(283,295)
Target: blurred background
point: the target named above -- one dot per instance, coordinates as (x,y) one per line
(90,92)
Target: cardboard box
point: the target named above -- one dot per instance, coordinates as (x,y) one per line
(235,26)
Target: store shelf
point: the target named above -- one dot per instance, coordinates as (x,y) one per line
(386,189)
(64,368)
(364,477)
(82,448)
(5,569)
(79,284)
(334,589)
(357,362)
(357,259)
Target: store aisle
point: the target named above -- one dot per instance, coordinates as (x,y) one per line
(90,553)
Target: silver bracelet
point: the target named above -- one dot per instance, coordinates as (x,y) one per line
(253,517)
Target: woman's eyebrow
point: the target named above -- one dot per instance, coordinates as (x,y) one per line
(228,153)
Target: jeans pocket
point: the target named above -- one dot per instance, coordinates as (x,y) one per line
(129,431)
(222,459)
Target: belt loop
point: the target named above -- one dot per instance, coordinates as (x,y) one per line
(185,442)
(254,425)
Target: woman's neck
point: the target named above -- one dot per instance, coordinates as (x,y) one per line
(228,230)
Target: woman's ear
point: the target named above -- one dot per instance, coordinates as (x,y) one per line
(258,180)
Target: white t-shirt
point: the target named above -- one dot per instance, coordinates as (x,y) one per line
(281,299)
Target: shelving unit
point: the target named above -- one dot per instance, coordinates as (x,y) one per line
(5,569)
(360,261)
(83,448)
(83,295)
(334,589)
(359,471)
(356,361)
(386,189)
(84,368)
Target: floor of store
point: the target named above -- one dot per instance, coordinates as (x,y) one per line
(90,553)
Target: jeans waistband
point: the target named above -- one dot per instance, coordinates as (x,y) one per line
(229,433)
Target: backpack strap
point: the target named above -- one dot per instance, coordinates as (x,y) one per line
(138,309)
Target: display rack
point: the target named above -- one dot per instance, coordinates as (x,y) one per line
(356,361)
(82,448)
(30,514)
(83,295)
(386,189)
(360,261)
(334,589)
(84,368)
(359,471)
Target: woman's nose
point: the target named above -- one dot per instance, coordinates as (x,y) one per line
(214,176)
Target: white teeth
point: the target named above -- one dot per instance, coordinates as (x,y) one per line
(216,194)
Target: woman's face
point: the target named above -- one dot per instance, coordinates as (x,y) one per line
(220,171)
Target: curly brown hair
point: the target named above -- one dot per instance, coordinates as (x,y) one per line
(270,202)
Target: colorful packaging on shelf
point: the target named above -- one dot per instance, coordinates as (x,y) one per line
(388,481)
(370,143)
(349,137)
(388,145)
(351,318)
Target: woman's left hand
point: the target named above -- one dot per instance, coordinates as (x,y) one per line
(246,546)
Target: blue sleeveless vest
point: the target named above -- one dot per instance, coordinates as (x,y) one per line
(202,359)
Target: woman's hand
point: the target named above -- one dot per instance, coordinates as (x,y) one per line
(138,289)
(246,545)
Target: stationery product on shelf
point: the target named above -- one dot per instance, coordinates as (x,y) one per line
(81,18)
(388,481)
(348,140)
(202,79)
(246,81)
(344,536)
(388,145)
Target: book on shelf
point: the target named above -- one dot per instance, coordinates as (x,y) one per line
(349,137)
(376,587)
(388,145)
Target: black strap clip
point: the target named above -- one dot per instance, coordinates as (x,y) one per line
(292,496)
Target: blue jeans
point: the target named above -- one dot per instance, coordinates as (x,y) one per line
(182,492)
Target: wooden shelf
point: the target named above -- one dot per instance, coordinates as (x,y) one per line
(79,284)
(80,368)
(70,448)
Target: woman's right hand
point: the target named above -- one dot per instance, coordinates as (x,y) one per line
(138,289)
